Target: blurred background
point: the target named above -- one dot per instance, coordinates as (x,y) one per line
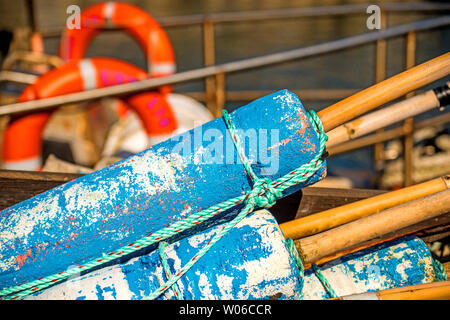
(344,71)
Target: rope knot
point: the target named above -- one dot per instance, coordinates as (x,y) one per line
(263,194)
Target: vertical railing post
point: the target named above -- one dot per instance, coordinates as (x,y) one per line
(408,139)
(380,75)
(208,60)
(220,94)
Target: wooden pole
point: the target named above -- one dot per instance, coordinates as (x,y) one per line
(220,94)
(18,77)
(385,91)
(31,15)
(383,118)
(408,141)
(289,13)
(209,59)
(446,266)
(332,218)
(433,227)
(386,135)
(314,247)
(428,291)
(380,75)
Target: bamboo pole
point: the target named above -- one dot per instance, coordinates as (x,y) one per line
(386,135)
(335,217)
(383,117)
(446,266)
(419,229)
(428,291)
(314,247)
(385,91)
(359,247)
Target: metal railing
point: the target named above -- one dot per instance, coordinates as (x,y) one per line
(230,67)
(216,95)
(208,22)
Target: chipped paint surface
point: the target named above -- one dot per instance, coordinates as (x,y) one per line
(97,213)
(402,262)
(250,262)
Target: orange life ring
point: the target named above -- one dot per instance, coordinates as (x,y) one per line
(22,139)
(131,19)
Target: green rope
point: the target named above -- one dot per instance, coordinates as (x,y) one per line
(263,194)
(238,145)
(165,264)
(294,253)
(331,293)
(439,271)
(298,261)
(296,257)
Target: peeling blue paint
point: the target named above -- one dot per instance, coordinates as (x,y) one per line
(250,262)
(97,213)
(401,262)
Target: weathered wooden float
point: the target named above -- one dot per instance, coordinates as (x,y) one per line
(146,192)
(252,262)
(311,200)
(96,213)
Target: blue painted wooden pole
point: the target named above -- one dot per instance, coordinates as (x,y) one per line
(402,262)
(110,208)
(251,262)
